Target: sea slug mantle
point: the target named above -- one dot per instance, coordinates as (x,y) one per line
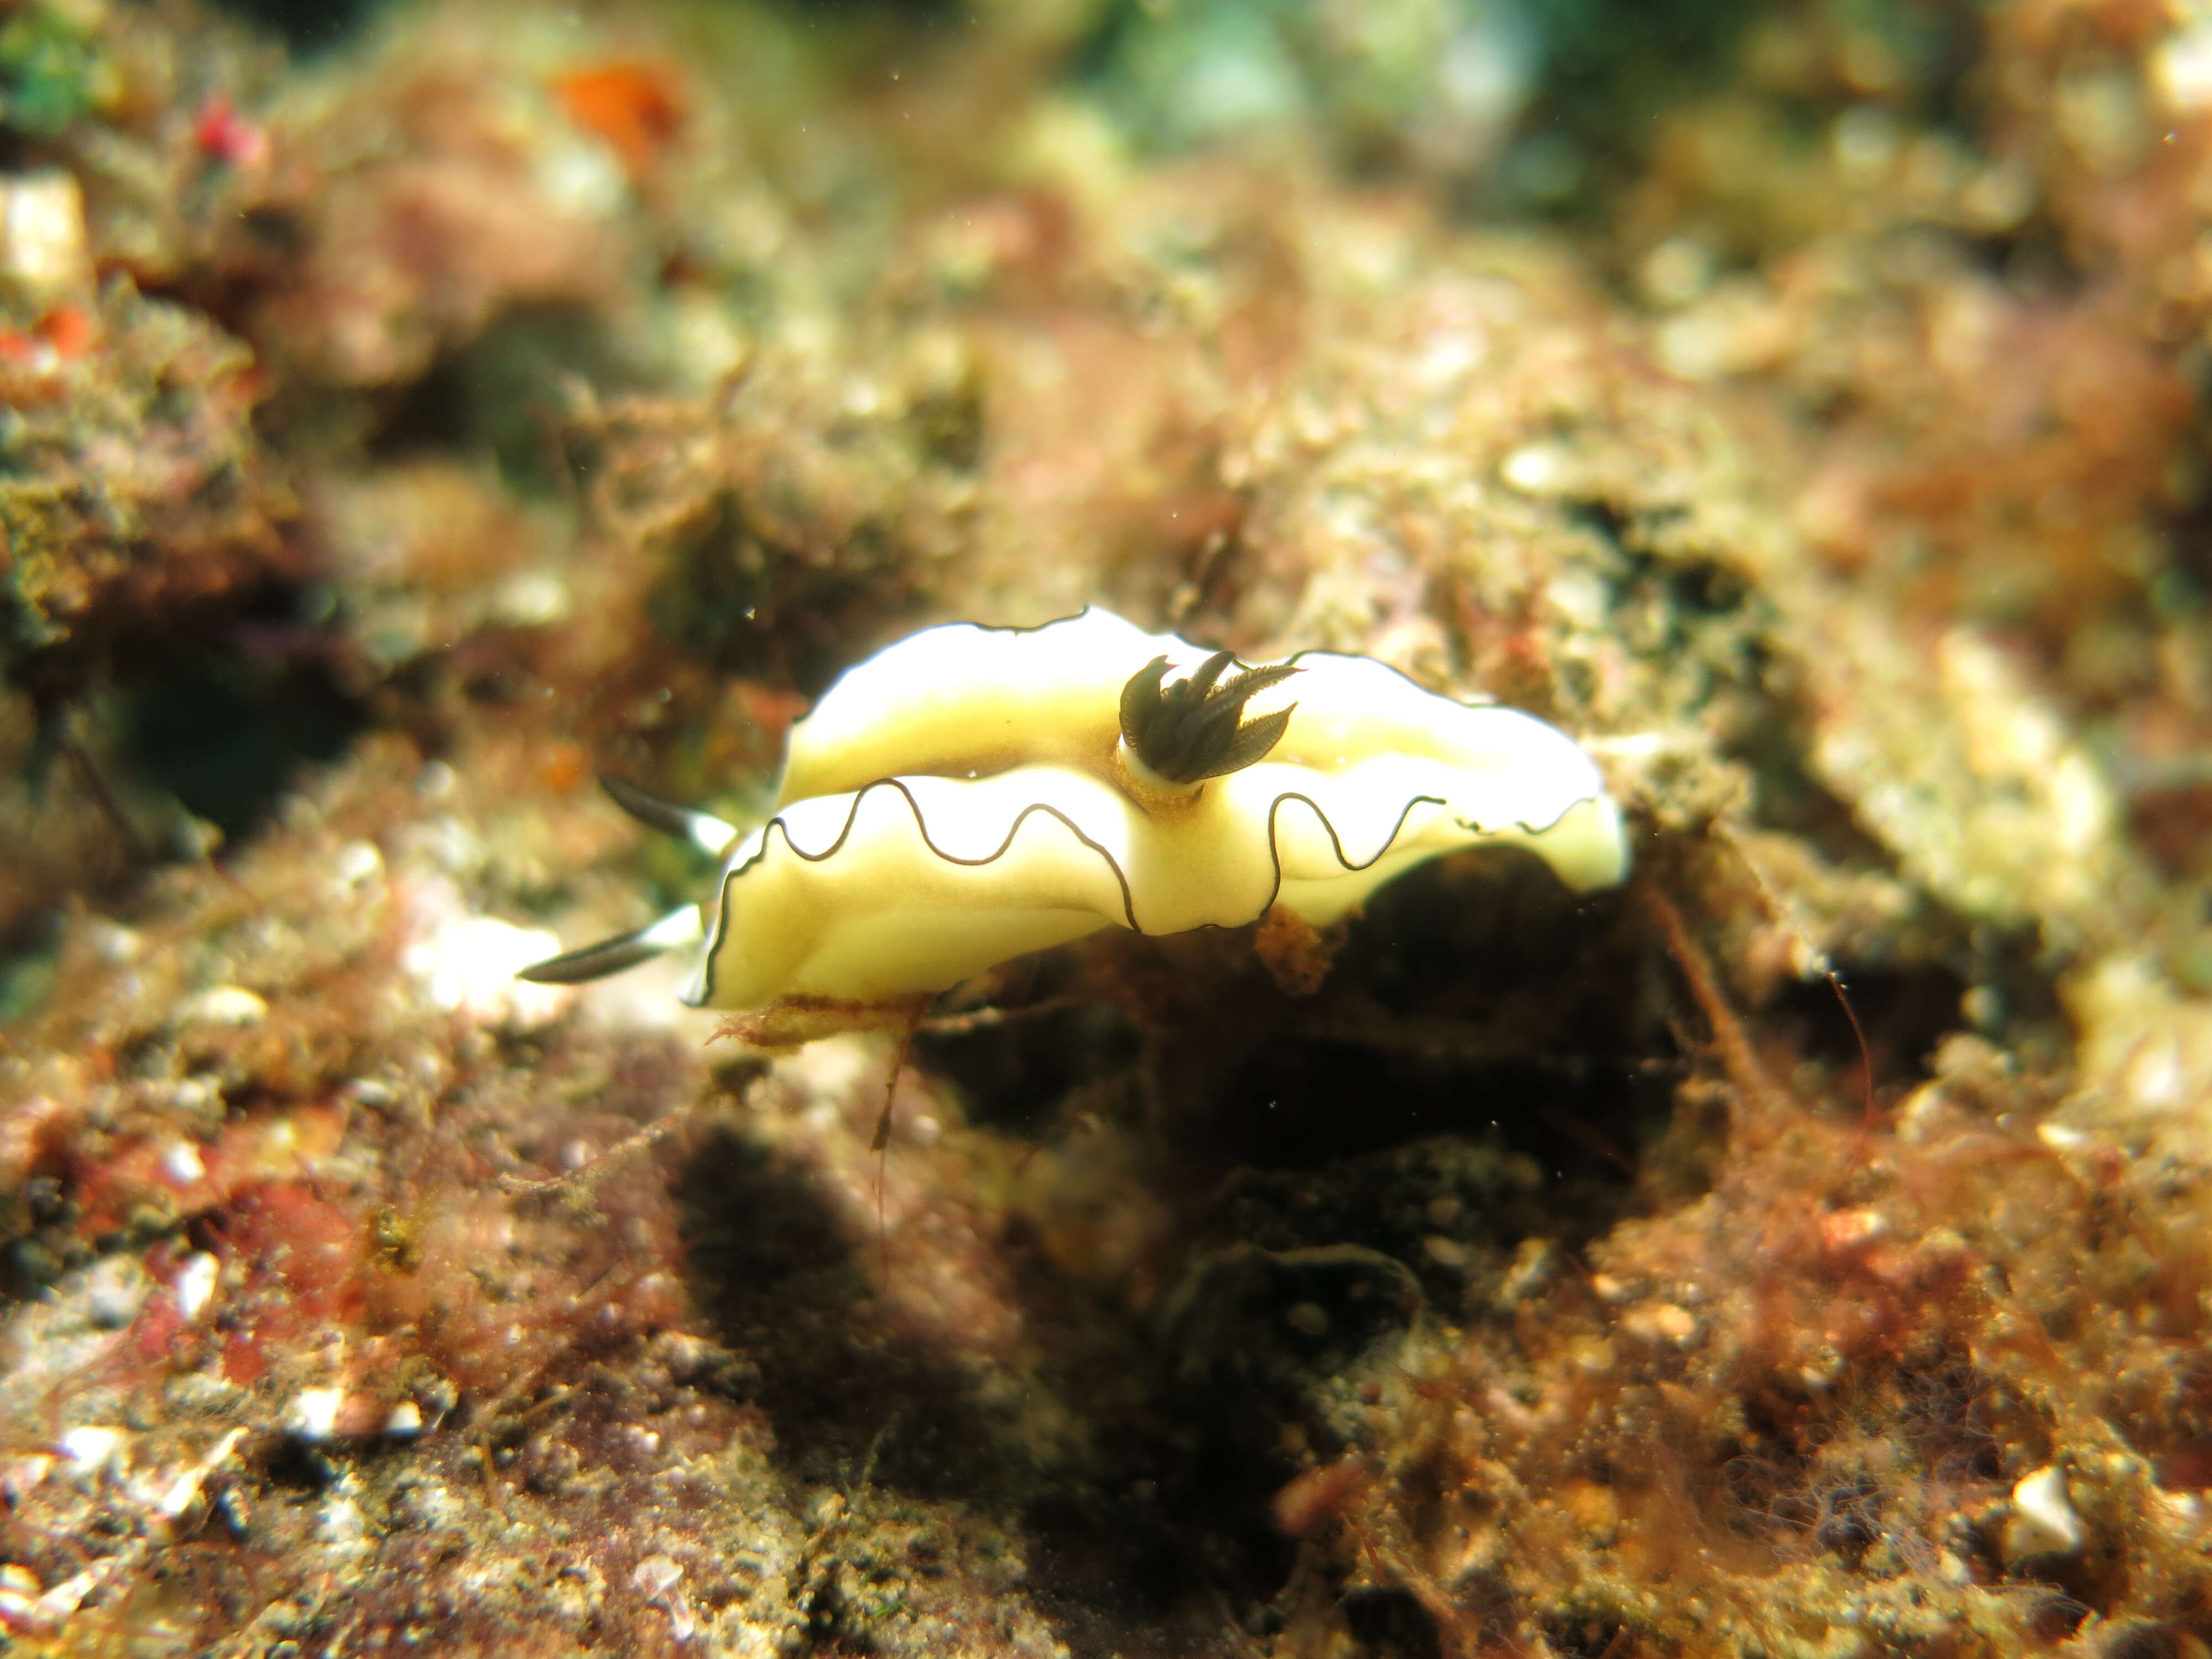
(972,794)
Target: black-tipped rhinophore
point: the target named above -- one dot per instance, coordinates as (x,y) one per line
(679,926)
(650,811)
(1195,729)
(702,829)
(607,957)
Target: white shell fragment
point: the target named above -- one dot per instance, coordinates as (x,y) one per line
(2043,1521)
(226,1005)
(973,793)
(194,1286)
(94,1447)
(311,1414)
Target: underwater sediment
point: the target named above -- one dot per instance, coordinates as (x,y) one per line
(1802,1248)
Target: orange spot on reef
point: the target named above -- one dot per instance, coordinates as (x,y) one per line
(566,769)
(70,329)
(63,335)
(636,107)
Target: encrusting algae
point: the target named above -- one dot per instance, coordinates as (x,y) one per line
(1532,1263)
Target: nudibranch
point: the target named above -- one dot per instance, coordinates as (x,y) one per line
(972,794)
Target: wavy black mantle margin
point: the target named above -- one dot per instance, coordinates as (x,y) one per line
(703,995)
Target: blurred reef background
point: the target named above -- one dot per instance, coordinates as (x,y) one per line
(407,411)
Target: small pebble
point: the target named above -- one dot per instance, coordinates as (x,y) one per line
(358,863)
(225,1005)
(182,1164)
(535,598)
(111,942)
(206,1393)
(94,1446)
(313,1414)
(195,1284)
(1445,1252)
(1843,1231)
(21,1477)
(115,1289)
(342,1520)
(1592,1355)
(1676,271)
(1535,469)
(19,1594)
(1658,1323)
(655,1574)
(2043,1521)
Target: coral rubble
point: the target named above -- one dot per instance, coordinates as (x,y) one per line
(1802,1251)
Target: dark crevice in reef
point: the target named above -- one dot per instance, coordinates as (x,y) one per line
(225,731)
(1123,1573)
(740,597)
(1904,1011)
(1476,1000)
(1015,1077)
(1307,1105)
(208,718)
(310,27)
(1391,1625)
(503,396)
(1792,801)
